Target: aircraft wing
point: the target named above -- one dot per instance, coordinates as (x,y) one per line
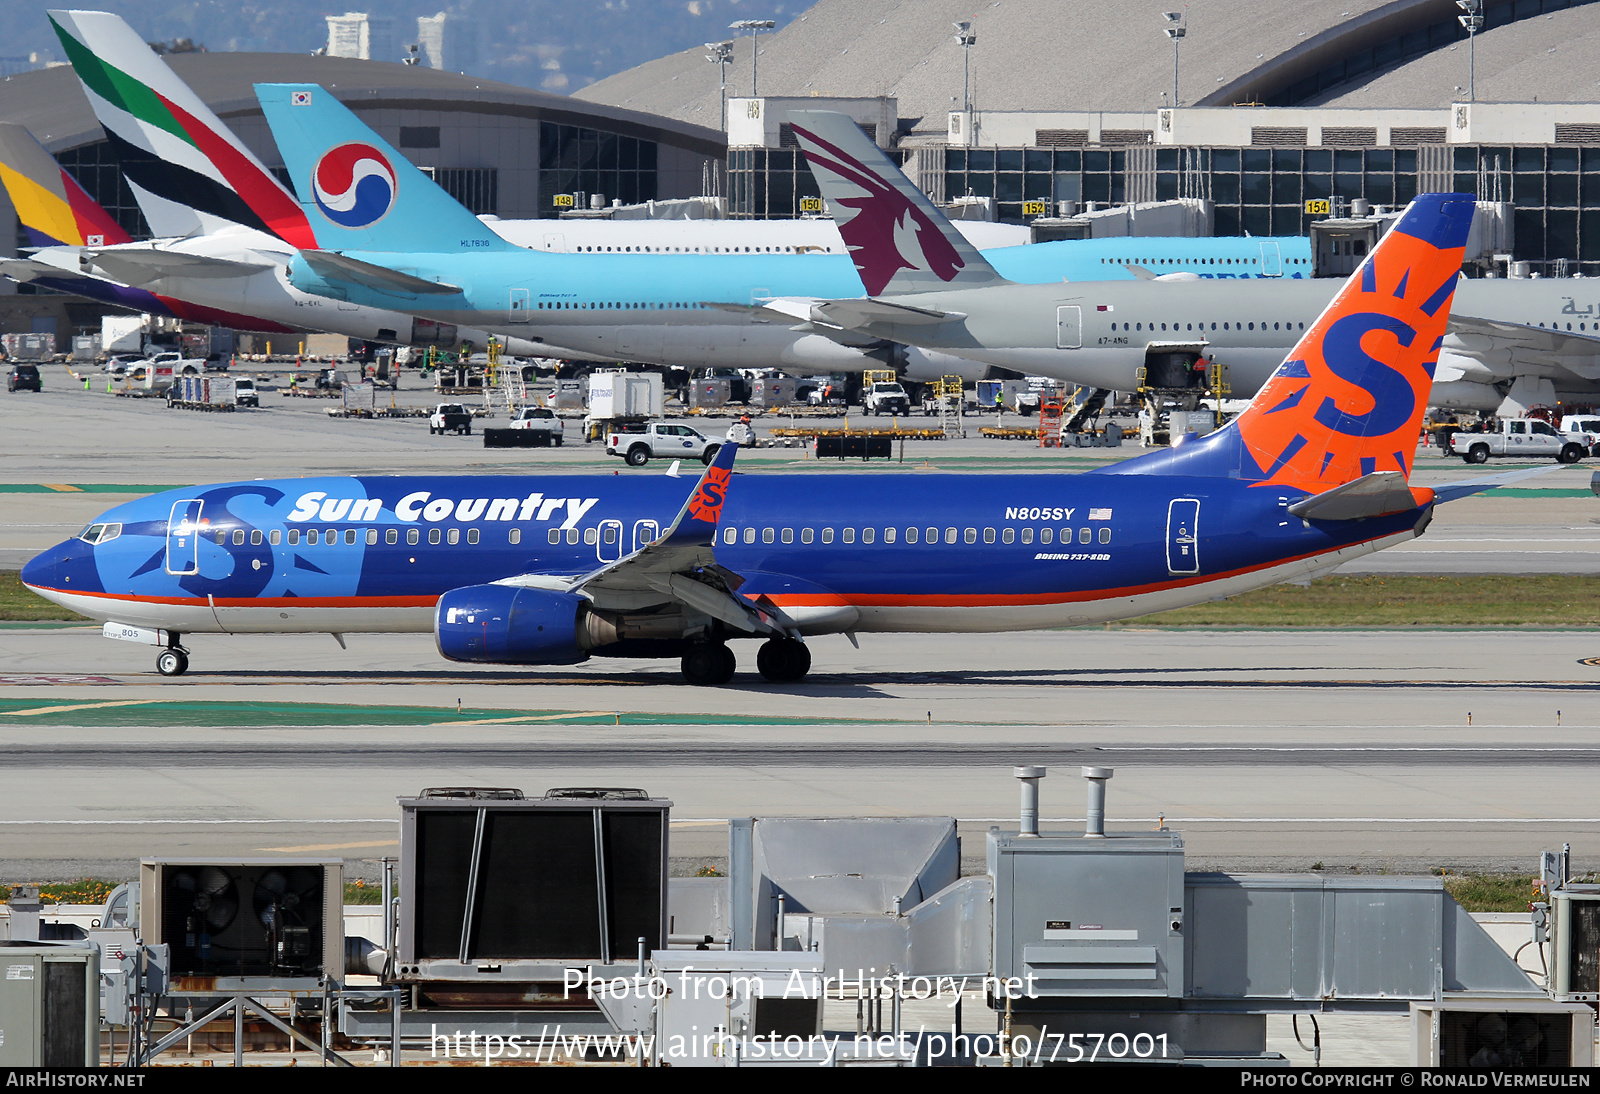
(140,266)
(852,314)
(333,266)
(1524,345)
(681,566)
(26,269)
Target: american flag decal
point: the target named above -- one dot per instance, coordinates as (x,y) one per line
(300,98)
(1099,514)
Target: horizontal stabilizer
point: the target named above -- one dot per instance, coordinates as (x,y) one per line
(1374,495)
(142,265)
(333,266)
(1451,491)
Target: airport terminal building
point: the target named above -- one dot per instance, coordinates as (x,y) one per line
(1282,116)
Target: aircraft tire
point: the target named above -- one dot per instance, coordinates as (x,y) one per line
(172,662)
(704,664)
(728,664)
(783,660)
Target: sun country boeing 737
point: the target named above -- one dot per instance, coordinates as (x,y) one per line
(1313,473)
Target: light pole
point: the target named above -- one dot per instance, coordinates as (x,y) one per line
(1473,21)
(755,27)
(968,38)
(1176,31)
(721,53)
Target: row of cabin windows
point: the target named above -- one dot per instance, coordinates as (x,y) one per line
(610,533)
(611,305)
(731,536)
(787,249)
(1225,326)
(1197,261)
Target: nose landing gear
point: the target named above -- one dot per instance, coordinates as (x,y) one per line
(174,660)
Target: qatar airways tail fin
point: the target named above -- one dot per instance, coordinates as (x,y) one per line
(360,193)
(1347,403)
(900,241)
(51,207)
(189,173)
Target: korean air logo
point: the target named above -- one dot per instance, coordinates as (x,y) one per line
(353,185)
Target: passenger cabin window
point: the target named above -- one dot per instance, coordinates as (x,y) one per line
(788,535)
(827,535)
(888,535)
(453,537)
(848,535)
(294,536)
(350,536)
(255,537)
(591,536)
(806,535)
(868,535)
(572,536)
(950,535)
(412,537)
(749,535)
(988,535)
(1105,535)
(515,537)
(472,535)
(1007,535)
(433,536)
(911,535)
(222,538)
(275,537)
(1046,534)
(1027,535)
(730,536)
(768,535)
(313,536)
(555,535)
(393,536)
(970,535)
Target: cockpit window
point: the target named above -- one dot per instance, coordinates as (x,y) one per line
(100,533)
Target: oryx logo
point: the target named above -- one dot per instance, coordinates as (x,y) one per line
(353,185)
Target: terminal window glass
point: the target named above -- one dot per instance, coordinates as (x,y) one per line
(433,536)
(827,535)
(454,537)
(515,536)
(572,535)
(294,536)
(411,536)
(555,535)
(805,535)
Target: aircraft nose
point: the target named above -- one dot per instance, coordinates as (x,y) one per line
(68,567)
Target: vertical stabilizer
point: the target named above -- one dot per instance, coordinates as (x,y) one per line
(51,207)
(187,170)
(900,241)
(1349,399)
(360,193)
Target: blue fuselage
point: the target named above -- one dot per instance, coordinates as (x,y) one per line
(834,551)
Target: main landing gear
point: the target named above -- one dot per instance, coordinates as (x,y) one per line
(174,660)
(783,660)
(780,661)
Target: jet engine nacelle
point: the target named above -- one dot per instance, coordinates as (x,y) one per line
(509,625)
(925,366)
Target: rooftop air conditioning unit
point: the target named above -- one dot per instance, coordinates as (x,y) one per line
(1575,965)
(248,924)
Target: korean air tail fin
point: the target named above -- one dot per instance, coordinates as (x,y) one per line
(187,170)
(51,207)
(900,241)
(358,192)
(1347,403)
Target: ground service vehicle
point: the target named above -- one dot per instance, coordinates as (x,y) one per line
(656,439)
(450,418)
(24,378)
(887,397)
(539,419)
(1518,438)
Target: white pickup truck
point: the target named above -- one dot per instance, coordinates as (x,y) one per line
(1525,438)
(637,443)
(539,419)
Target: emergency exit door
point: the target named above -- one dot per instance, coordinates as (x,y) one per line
(183,538)
(1069,327)
(1183,544)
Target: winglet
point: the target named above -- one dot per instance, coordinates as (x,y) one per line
(697,520)
(899,240)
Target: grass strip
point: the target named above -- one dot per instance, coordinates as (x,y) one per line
(19,604)
(1403,600)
